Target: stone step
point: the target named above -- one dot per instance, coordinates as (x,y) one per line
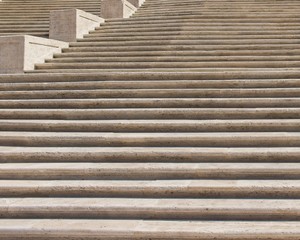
(38,34)
(284,75)
(178,47)
(93,139)
(262,125)
(148,154)
(30,30)
(162,70)
(152,84)
(81,59)
(102,103)
(148,171)
(154,93)
(211,14)
(195,27)
(191,31)
(281,189)
(138,229)
(155,209)
(198,14)
(100,38)
(208,6)
(186,34)
(208,9)
(38,11)
(147,11)
(197,53)
(14,26)
(220,65)
(152,113)
(219,17)
(292,9)
(203,24)
(183,19)
(187,42)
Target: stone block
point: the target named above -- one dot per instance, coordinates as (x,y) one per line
(71,24)
(21,53)
(116,9)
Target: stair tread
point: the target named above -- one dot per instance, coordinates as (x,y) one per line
(134,229)
(94,204)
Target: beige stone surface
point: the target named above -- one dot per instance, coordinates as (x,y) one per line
(21,53)
(106,139)
(168,209)
(136,3)
(261,125)
(71,24)
(140,229)
(180,122)
(117,9)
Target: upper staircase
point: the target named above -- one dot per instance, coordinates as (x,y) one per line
(194,35)
(182,122)
(31,17)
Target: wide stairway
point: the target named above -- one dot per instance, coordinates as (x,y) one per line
(193,35)
(31,17)
(182,122)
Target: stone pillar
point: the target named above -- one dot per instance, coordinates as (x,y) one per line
(116,9)
(71,24)
(21,53)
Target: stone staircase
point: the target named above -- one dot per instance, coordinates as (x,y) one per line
(31,17)
(181,122)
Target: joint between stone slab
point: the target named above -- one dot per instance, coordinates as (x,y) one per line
(41,44)
(88,18)
(129,5)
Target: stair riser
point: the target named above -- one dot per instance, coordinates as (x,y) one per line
(142,174)
(68,114)
(103,141)
(144,93)
(174,54)
(145,76)
(155,84)
(151,214)
(171,192)
(173,155)
(181,48)
(170,38)
(151,66)
(187,42)
(148,127)
(154,103)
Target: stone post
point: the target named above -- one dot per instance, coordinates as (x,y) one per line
(21,53)
(71,24)
(116,9)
